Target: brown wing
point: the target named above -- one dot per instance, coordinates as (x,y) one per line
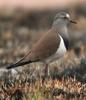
(45,47)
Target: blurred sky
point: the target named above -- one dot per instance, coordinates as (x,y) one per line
(37,4)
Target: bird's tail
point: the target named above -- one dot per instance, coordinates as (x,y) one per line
(19,64)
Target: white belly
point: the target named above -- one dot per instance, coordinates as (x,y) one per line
(59,53)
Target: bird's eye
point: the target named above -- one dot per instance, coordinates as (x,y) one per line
(65,17)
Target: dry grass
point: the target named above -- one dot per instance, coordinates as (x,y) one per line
(49,89)
(67,81)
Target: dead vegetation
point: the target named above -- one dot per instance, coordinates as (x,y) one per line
(67,81)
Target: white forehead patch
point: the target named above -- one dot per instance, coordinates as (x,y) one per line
(67,15)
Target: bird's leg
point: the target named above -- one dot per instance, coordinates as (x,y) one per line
(46,70)
(46,73)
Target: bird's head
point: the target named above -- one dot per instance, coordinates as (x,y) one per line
(62,19)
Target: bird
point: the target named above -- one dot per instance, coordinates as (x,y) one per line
(51,46)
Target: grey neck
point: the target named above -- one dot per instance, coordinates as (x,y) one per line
(61,28)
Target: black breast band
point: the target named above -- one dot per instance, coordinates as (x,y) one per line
(66,42)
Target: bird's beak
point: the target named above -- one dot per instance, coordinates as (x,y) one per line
(74,22)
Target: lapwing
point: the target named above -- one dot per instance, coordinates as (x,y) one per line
(51,46)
